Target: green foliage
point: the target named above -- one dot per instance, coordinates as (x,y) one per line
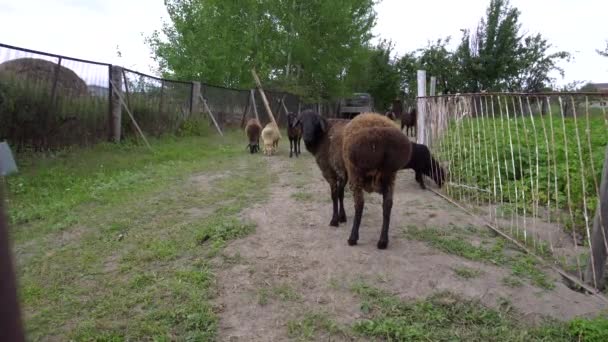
(376,74)
(514,147)
(445,316)
(495,57)
(302,46)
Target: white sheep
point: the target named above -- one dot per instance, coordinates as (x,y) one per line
(271,136)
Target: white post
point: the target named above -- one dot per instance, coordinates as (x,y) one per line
(420,120)
(433,85)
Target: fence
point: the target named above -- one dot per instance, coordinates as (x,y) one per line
(531,166)
(50,101)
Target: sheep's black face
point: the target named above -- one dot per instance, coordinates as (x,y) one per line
(292,119)
(314,127)
(254,148)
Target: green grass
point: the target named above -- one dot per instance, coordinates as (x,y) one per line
(313,324)
(467,272)
(452,242)
(121,256)
(467,144)
(447,317)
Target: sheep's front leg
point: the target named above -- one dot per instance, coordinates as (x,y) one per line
(359,203)
(387,206)
(342,216)
(291,143)
(334,198)
(420,179)
(299,151)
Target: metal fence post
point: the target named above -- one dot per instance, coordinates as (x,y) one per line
(420,122)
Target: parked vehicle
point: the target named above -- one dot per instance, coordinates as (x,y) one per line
(358,103)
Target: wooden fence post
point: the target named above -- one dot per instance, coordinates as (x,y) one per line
(116,113)
(433,86)
(194,99)
(594,274)
(420,120)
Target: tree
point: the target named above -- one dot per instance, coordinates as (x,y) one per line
(302,46)
(497,57)
(376,73)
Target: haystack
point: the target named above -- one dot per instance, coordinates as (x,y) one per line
(39,73)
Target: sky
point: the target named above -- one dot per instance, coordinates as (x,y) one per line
(95,29)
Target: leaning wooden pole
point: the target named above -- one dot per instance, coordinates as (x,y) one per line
(264,100)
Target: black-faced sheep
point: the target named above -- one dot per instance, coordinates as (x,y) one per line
(423,163)
(294,132)
(253,130)
(409,119)
(373,150)
(323,139)
(271,136)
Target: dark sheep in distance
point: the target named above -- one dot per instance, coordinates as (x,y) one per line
(253,130)
(294,132)
(323,139)
(408,119)
(423,163)
(374,149)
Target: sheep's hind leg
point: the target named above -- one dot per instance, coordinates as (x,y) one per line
(359,203)
(387,205)
(342,216)
(334,199)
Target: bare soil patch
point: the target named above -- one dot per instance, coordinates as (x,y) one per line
(295,249)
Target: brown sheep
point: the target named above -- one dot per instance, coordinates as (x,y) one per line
(323,139)
(294,133)
(253,130)
(373,150)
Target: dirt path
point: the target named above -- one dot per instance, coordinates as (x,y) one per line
(295,263)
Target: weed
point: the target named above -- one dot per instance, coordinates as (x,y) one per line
(283,292)
(312,324)
(445,316)
(467,272)
(511,281)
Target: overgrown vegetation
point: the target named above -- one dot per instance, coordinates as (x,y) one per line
(114,242)
(490,252)
(501,156)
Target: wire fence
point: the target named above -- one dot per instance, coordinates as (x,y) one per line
(50,101)
(529,164)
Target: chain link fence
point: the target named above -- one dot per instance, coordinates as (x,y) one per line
(50,101)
